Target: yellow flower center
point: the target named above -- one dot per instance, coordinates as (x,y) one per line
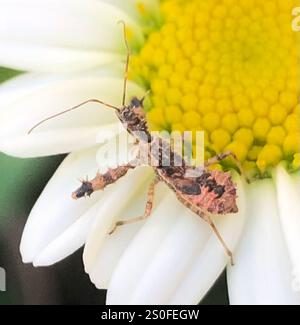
(232,69)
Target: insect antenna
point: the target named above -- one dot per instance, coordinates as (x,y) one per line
(72,109)
(146,94)
(127,62)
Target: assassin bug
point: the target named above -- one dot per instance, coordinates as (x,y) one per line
(210,192)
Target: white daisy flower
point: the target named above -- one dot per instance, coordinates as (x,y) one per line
(203,75)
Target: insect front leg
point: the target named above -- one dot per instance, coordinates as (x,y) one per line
(101,181)
(223,156)
(148,208)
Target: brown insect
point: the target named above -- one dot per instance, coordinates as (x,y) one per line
(210,192)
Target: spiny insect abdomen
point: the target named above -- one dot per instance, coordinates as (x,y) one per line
(213,191)
(218,193)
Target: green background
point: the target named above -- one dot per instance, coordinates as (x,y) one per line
(21,182)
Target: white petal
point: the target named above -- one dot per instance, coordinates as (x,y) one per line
(110,252)
(55,211)
(74,236)
(138,8)
(49,59)
(57,142)
(139,254)
(211,259)
(17,87)
(288,194)
(69,241)
(262,272)
(111,210)
(61,35)
(161,262)
(173,260)
(114,246)
(27,83)
(48,95)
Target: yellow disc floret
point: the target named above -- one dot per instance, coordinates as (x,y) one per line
(229,68)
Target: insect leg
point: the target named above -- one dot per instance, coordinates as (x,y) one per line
(223,156)
(207,218)
(148,208)
(101,181)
